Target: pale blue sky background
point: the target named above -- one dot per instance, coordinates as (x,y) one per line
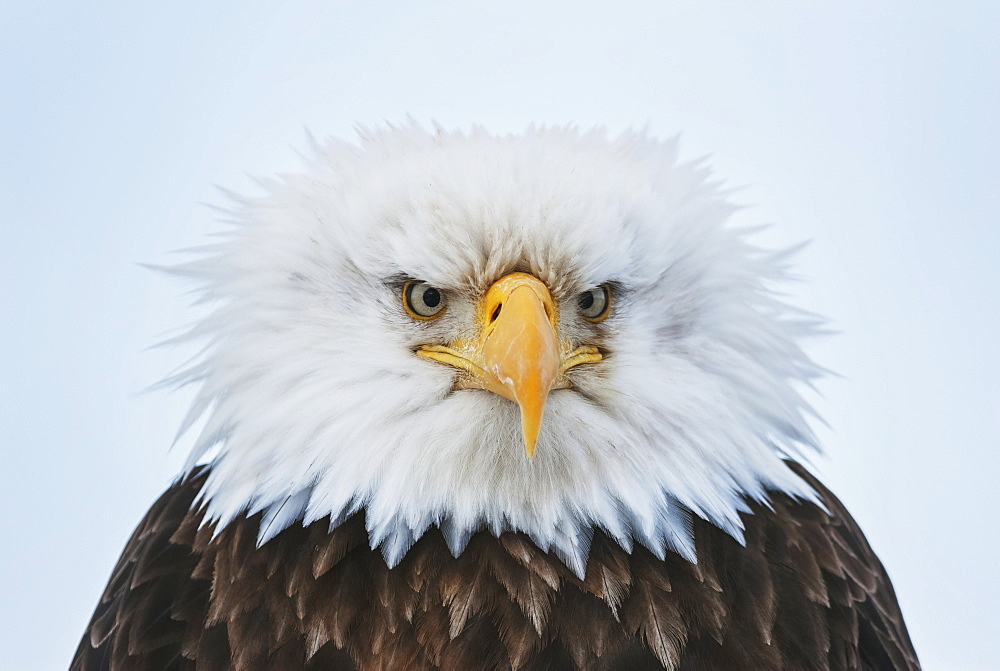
(870,128)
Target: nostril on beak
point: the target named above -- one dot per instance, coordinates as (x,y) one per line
(496,312)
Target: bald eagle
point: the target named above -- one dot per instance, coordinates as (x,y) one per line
(480,402)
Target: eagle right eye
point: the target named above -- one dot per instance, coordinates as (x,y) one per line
(422,301)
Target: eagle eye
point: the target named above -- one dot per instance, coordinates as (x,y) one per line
(422,301)
(595,304)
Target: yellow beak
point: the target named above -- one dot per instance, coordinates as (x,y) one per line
(521,347)
(518,353)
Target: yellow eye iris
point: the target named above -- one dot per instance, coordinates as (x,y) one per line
(595,304)
(422,301)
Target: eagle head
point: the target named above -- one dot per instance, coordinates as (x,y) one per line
(550,332)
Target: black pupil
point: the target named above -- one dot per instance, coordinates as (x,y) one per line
(587,300)
(431,297)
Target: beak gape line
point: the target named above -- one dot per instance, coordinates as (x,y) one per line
(518,353)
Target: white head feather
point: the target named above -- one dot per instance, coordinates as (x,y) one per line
(317,405)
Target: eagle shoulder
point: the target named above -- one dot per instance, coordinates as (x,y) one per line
(806,591)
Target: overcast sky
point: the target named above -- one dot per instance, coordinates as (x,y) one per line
(869,128)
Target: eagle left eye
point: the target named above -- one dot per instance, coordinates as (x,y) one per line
(595,304)
(422,301)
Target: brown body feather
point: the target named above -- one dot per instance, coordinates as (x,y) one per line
(806,592)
